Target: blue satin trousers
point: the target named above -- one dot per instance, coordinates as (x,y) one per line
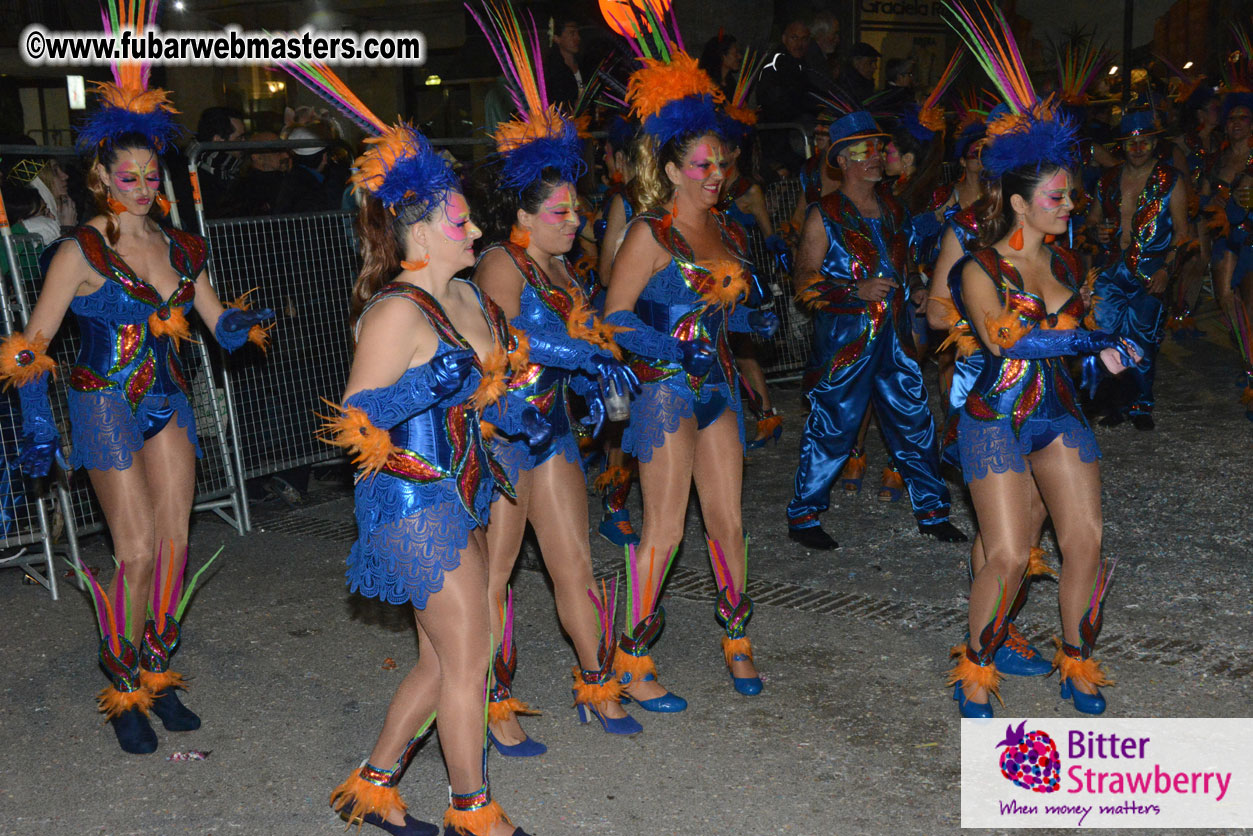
(1125,308)
(887,377)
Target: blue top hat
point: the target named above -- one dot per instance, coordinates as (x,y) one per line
(1139,123)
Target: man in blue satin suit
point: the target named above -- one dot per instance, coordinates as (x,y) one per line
(853,270)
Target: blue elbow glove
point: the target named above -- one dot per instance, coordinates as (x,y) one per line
(765,324)
(619,375)
(1039,343)
(595,420)
(698,357)
(776,246)
(518,417)
(41,443)
(231,330)
(417,390)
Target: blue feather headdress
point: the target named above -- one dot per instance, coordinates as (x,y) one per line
(541,136)
(127,106)
(1026,131)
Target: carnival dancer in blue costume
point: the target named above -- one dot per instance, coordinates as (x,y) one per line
(130,280)
(1020,430)
(678,281)
(1195,149)
(430,370)
(1229,184)
(1141,214)
(619,474)
(533,218)
(856,275)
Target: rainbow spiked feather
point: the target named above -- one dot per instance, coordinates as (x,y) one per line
(1029,133)
(541,136)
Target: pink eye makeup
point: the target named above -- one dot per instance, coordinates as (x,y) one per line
(559,208)
(456,223)
(705,158)
(129,174)
(1055,192)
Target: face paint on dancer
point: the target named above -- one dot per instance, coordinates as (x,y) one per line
(455,233)
(1051,204)
(892,164)
(863,160)
(554,227)
(135,179)
(703,170)
(1138,149)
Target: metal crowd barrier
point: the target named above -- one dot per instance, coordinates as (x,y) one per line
(71,510)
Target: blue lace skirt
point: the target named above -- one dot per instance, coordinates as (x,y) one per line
(104,433)
(658,409)
(409,536)
(992,445)
(516,457)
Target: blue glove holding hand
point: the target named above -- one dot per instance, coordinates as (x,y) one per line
(765,324)
(698,357)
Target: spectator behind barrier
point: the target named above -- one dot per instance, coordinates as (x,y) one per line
(821,59)
(784,95)
(562,74)
(313,184)
(857,77)
(216,169)
(721,59)
(899,90)
(255,190)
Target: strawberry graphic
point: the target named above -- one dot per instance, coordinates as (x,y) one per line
(1030,759)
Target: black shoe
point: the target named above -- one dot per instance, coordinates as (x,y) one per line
(174,715)
(1113,419)
(1143,421)
(945,532)
(134,734)
(411,827)
(813,538)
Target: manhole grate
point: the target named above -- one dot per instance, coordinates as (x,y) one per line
(697,585)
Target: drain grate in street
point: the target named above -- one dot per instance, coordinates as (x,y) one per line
(697,585)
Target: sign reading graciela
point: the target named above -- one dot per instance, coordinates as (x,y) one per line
(1142,773)
(913,15)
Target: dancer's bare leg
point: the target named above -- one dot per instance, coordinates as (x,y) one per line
(505,530)
(719,474)
(561,526)
(665,484)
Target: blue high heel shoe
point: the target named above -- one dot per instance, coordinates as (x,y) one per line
(969,708)
(769,429)
(528,748)
(611,725)
(749,686)
(1087,703)
(667,703)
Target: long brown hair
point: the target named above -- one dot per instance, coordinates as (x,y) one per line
(105,158)
(994,212)
(380,233)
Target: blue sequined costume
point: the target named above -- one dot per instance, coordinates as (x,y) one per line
(1016,407)
(1123,303)
(544,383)
(127,383)
(601,226)
(863,358)
(672,303)
(415,516)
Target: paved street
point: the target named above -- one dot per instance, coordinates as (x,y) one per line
(854,733)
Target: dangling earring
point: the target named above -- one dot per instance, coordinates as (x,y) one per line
(1050,238)
(116,206)
(520,236)
(163,203)
(1015,240)
(416,265)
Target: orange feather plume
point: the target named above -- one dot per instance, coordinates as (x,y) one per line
(259,335)
(356,798)
(743,115)
(1065,322)
(613,477)
(724,283)
(134,97)
(394,142)
(658,83)
(1036,564)
(519,132)
(19,374)
(173,326)
(1005,328)
(588,693)
(352,430)
(114,702)
(493,385)
(519,355)
(1087,671)
(968,673)
(736,647)
(481,820)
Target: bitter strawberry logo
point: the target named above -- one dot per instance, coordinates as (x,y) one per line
(1030,759)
